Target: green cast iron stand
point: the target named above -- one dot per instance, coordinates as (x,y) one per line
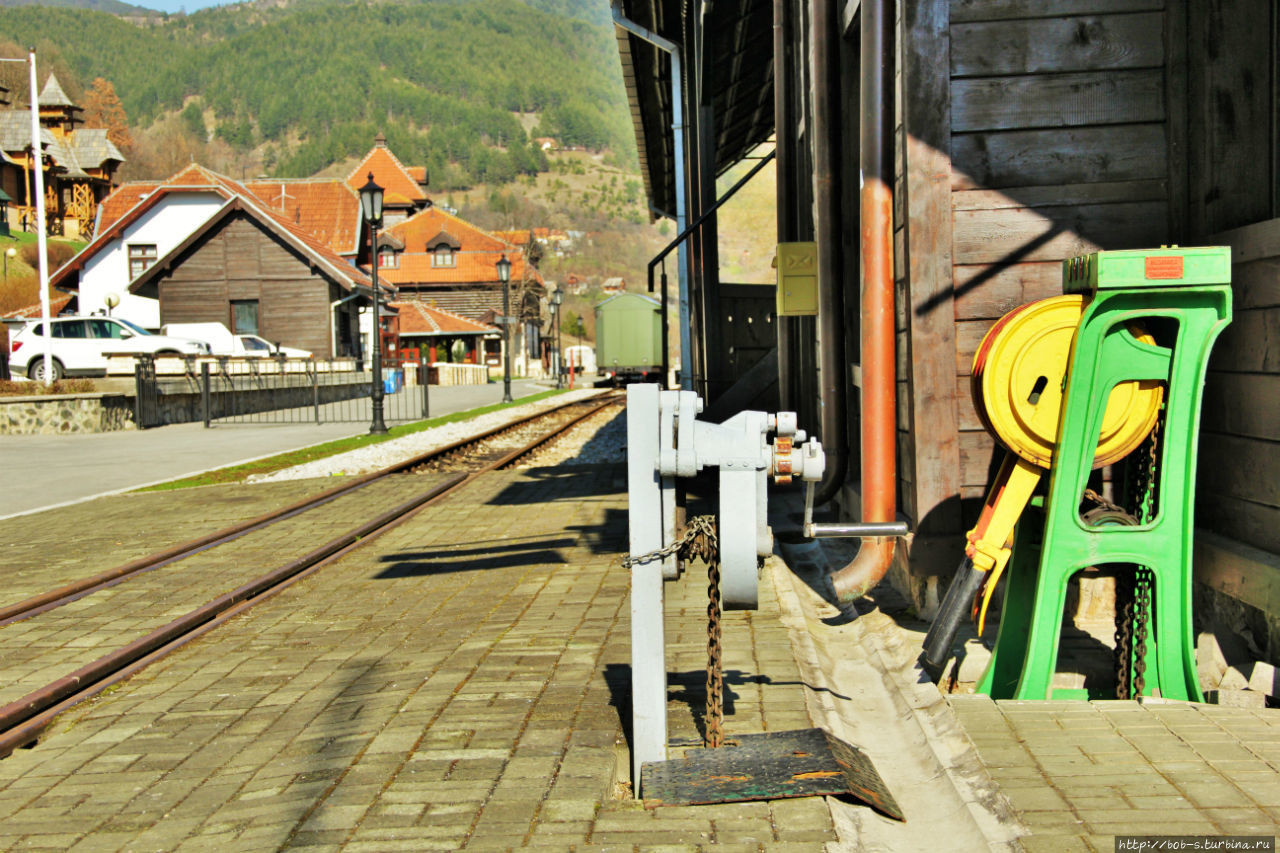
(1192,288)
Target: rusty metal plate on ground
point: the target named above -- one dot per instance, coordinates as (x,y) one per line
(803,763)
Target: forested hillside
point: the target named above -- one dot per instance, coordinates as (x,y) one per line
(458,85)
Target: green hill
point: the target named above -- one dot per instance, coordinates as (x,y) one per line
(308,84)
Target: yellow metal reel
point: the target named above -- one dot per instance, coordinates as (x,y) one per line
(1020,375)
(1018,380)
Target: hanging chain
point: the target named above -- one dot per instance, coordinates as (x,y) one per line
(714,718)
(1141,623)
(1133,592)
(701,542)
(1124,635)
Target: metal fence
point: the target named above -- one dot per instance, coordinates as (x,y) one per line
(279,390)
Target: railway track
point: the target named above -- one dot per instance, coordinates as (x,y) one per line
(175,578)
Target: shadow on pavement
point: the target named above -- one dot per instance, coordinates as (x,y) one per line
(410,564)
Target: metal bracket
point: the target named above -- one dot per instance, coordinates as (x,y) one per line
(665,440)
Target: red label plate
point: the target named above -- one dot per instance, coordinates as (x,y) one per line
(1164,266)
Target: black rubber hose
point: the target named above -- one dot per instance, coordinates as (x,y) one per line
(954,607)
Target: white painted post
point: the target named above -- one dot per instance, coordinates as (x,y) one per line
(648,640)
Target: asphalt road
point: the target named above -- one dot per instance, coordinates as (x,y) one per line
(41,472)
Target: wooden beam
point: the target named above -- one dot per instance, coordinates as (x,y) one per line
(926,112)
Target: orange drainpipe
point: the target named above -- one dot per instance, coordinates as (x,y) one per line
(879,377)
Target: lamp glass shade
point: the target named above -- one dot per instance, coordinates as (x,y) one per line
(371,200)
(504,269)
(557,297)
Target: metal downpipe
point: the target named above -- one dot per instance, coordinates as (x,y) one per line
(782,124)
(826,216)
(879,469)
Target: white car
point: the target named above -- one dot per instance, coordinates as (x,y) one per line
(80,346)
(252,345)
(223,342)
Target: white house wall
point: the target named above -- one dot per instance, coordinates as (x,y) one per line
(166,225)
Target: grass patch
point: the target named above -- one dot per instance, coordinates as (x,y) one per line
(237,473)
(12,388)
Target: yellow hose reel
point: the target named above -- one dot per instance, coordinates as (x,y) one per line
(1018,380)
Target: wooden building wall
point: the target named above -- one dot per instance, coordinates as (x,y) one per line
(1234,104)
(241,260)
(1032,131)
(1061,145)
(1037,130)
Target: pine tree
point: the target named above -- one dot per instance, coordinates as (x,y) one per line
(102,108)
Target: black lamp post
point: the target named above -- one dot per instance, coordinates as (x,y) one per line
(556,299)
(504,275)
(371,209)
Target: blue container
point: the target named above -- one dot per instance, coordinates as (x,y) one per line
(393,381)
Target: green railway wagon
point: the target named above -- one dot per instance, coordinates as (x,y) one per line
(629,337)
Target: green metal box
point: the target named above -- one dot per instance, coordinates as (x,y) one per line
(1167,266)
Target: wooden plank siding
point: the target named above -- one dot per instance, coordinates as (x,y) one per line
(934,463)
(1059,142)
(1233,109)
(1239,460)
(241,260)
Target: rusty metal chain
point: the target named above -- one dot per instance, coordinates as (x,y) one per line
(714,718)
(1098,500)
(701,542)
(1133,592)
(1142,622)
(1124,635)
(704,544)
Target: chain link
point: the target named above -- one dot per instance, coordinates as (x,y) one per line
(714,718)
(1133,592)
(1142,622)
(701,542)
(1098,500)
(1124,635)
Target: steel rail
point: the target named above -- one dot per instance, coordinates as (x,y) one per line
(23,720)
(78,589)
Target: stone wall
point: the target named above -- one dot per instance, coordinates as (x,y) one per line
(61,414)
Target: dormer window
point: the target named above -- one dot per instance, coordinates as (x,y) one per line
(443,249)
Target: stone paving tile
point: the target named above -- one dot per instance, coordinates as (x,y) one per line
(50,645)
(35,555)
(1144,768)
(458,685)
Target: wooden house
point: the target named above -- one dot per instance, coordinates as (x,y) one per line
(79,167)
(201,247)
(1023,132)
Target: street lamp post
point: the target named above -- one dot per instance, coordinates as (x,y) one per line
(556,299)
(504,275)
(371,208)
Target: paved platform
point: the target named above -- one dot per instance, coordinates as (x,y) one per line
(462,684)
(46,471)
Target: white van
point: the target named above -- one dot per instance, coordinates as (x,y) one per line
(223,342)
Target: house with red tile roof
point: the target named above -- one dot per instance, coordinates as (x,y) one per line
(202,247)
(403,188)
(442,333)
(451,264)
